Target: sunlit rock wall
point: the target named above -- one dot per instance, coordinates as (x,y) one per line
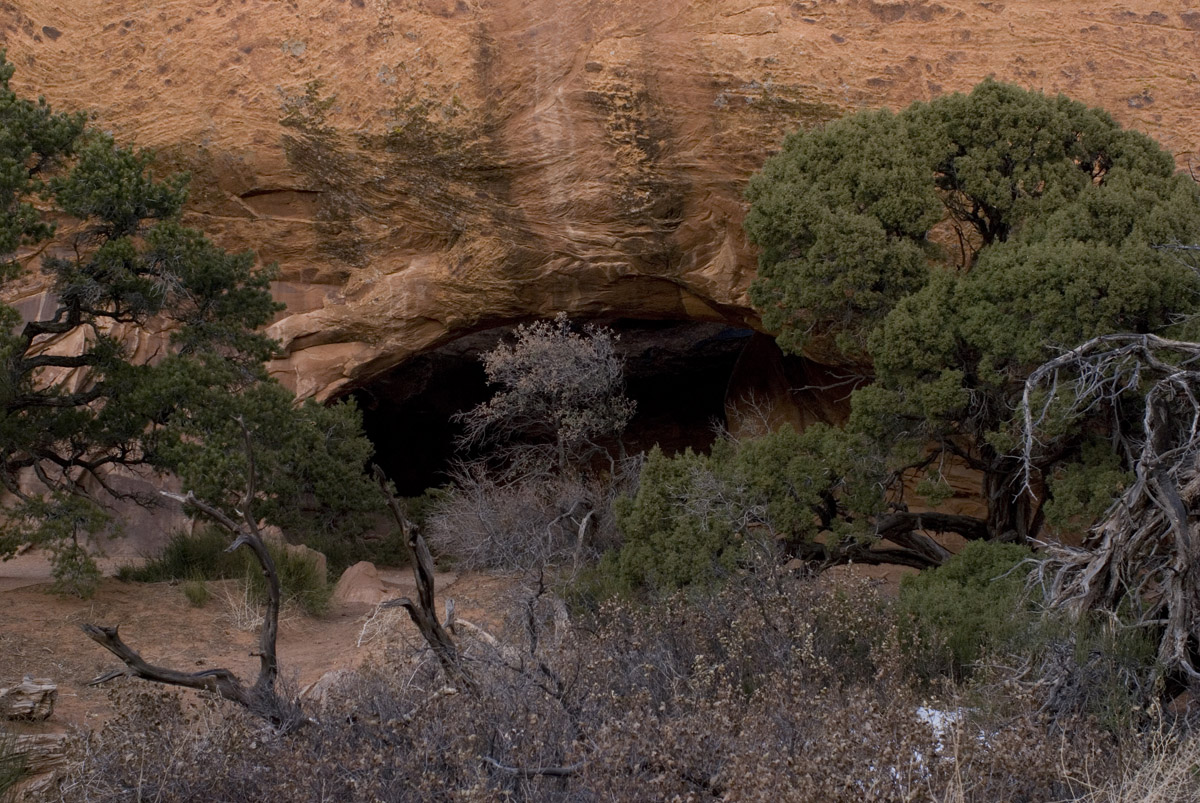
(424,168)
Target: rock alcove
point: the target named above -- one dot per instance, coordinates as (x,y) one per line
(689,380)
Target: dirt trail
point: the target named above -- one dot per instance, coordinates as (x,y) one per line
(40,635)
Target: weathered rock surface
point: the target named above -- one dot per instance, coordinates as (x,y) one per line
(364,585)
(42,754)
(424,168)
(361,584)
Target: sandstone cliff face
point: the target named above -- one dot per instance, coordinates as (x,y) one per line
(424,168)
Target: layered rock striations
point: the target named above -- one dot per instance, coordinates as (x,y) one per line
(421,169)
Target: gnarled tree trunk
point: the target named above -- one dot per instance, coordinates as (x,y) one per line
(424,612)
(260,698)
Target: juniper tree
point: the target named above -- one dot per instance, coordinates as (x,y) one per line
(77,403)
(953,247)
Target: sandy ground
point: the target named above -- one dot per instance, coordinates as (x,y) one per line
(40,631)
(40,635)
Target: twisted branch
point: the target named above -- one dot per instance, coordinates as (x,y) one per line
(1145,551)
(259,698)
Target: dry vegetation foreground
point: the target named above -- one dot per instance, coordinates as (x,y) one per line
(789,689)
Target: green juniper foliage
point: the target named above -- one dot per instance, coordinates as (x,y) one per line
(974,602)
(959,244)
(75,404)
(697,519)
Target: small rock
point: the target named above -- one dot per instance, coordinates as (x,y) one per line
(361,585)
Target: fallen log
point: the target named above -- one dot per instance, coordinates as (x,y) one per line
(39,754)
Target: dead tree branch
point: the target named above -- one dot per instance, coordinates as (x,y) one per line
(218,681)
(424,612)
(260,698)
(1144,553)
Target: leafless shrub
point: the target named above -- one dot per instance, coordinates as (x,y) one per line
(379,624)
(493,520)
(559,391)
(241,609)
(541,494)
(792,692)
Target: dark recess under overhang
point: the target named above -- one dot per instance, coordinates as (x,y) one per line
(684,376)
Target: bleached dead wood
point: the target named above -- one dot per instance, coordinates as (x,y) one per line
(1143,556)
(31,699)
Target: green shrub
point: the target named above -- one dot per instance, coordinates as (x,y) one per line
(202,556)
(1097,666)
(420,508)
(976,601)
(342,553)
(1082,490)
(669,542)
(300,581)
(74,570)
(977,604)
(199,555)
(197,593)
(598,583)
(695,520)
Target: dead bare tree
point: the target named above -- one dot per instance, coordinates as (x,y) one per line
(260,697)
(1144,553)
(530,492)
(529,664)
(424,611)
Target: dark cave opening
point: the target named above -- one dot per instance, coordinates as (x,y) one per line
(678,372)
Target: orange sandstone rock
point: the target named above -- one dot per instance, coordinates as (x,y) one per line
(423,168)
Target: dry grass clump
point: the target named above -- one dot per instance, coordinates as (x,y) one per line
(380,623)
(241,609)
(767,691)
(1167,770)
